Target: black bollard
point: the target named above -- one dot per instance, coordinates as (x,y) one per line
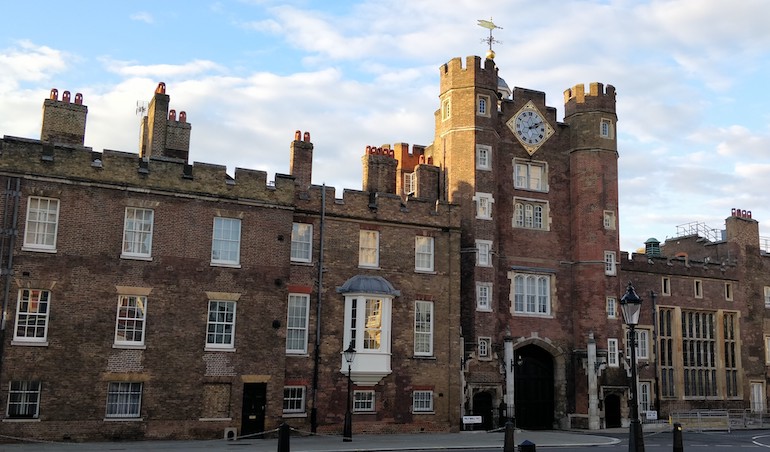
(509,446)
(527,446)
(284,433)
(678,446)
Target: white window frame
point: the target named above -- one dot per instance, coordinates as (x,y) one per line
(410,183)
(226,242)
(422,401)
(610,263)
(612,308)
(368,327)
(645,396)
(301,242)
(446,109)
(483,157)
(485,346)
(484,203)
(23,399)
(42,224)
(609,220)
(484,296)
(224,318)
(297,321)
(531,294)
(642,342)
(483,253)
(369,248)
(33,307)
(665,286)
(530,214)
(423,328)
(729,291)
(758,396)
(137,233)
(697,286)
(523,178)
(606,130)
(613,358)
(128,323)
(767,296)
(124,400)
(767,350)
(294,399)
(483,105)
(364,401)
(424,253)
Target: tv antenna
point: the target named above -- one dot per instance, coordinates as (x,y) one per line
(141,107)
(489,25)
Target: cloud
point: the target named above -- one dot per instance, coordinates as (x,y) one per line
(190,69)
(142,16)
(28,62)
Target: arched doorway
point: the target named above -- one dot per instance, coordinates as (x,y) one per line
(612,411)
(482,406)
(533,388)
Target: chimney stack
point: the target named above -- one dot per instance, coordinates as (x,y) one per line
(379,175)
(162,133)
(301,160)
(64,121)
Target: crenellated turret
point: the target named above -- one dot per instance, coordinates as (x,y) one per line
(576,100)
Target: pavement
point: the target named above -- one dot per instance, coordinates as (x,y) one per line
(333,443)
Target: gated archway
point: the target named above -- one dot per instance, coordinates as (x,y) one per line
(534,388)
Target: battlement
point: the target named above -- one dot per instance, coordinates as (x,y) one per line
(598,98)
(124,170)
(454,75)
(680,264)
(409,158)
(382,207)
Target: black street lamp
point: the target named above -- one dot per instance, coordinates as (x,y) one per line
(631,304)
(347,430)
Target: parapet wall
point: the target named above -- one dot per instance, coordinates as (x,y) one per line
(680,265)
(22,157)
(454,75)
(384,207)
(598,98)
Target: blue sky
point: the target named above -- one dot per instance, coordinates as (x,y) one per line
(691,76)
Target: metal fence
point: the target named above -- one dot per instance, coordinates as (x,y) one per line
(701,420)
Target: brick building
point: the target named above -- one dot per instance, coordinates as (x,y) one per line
(704,330)
(233,304)
(478,275)
(539,202)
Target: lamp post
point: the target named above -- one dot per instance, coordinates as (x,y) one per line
(631,304)
(347,430)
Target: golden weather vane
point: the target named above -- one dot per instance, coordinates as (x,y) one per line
(489,25)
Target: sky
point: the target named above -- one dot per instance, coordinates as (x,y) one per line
(691,78)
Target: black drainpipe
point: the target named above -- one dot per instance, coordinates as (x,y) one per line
(319,288)
(9,233)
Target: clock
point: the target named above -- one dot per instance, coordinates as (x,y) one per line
(530,127)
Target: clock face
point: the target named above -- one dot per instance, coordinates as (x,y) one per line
(530,127)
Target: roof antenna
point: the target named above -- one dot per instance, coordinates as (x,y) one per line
(141,107)
(489,25)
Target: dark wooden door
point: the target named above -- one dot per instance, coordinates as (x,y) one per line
(612,411)
(253,412)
